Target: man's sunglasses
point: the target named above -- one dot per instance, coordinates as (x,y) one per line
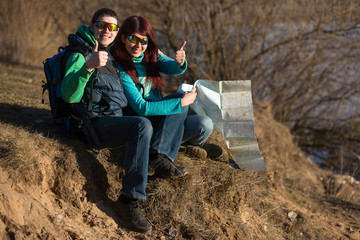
(135,40)
(102,25)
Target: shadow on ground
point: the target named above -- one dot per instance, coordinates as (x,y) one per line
(37,120)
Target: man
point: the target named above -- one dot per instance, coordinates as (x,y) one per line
(94,81)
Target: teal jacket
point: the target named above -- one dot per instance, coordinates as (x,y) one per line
(156,105)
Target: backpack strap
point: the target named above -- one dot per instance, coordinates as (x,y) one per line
(90,103)
(84,122)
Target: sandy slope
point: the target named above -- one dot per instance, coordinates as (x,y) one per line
(51,187)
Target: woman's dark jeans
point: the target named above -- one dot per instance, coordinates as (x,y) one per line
(171,131)
(168,133)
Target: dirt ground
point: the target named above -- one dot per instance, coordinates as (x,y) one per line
(52,187)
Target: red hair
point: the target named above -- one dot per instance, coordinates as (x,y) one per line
(140,25)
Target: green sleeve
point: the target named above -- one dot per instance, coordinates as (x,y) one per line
(75,79)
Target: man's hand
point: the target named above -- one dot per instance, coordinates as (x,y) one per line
(97,59)
(180,54)
(188,97)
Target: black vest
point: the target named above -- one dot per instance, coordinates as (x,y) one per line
(107,98)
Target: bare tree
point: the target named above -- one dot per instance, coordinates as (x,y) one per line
(302,58)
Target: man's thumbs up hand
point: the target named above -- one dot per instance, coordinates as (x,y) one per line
(97,58)
(96,46)
(180,54)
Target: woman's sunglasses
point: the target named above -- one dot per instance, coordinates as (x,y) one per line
(102,25)
(135,40)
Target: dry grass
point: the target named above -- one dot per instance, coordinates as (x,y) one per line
(204,198)
(33,151)
(302,58)
(55,188)
(77,189)
(19,150)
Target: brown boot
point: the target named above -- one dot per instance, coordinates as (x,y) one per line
(195,152)
(209,150)
(131,216)
(161,165)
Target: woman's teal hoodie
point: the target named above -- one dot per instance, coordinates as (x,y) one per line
(138,96)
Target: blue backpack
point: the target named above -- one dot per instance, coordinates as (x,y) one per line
(54,69)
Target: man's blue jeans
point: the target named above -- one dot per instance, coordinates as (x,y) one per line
(135,132)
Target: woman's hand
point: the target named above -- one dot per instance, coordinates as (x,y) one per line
(180,54)
(188,97)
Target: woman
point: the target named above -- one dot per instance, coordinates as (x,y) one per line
(141,62)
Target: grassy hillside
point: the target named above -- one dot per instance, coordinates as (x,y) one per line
(52,187)
(300,56)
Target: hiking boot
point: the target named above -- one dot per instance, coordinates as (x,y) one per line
(129,212)
(195,152)
(213,150)
(151,171)
(161,165)
(209,150)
